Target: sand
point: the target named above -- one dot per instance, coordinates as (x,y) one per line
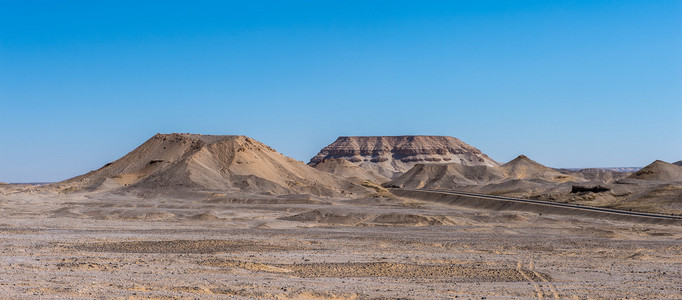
(243,246)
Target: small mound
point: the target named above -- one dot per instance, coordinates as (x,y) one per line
(153,216)
(319,216)
(659,171)
(204,217)
(346,169)
(512,217)
(222,198)
(180,246)
(129,214)
(639,255)
(411,220)
(65,212)
(512,187)
(380,191)
(448,271)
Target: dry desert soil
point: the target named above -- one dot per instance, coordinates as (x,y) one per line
(241,246)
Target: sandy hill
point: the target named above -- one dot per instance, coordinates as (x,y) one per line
(659,171)
(517,173)
(390,156)
(650,196)
(678,163)
(523,167)
(447,176)
(181,162)
(346,169)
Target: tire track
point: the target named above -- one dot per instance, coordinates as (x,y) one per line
(552,288)
(538,290)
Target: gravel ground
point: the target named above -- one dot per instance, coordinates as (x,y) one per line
(92,246)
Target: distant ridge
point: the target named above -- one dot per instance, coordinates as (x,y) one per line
(602,175)
(390,156)
(612,169)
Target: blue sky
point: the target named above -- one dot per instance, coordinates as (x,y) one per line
(568,83)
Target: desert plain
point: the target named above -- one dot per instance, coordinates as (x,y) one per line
(205,217)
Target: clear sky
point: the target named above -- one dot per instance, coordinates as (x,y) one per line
(568,83)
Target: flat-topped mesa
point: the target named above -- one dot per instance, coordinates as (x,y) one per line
(390,156)
(190,162)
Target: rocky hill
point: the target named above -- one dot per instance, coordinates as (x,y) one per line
(659,171)
(390,156)
(523,167)
(182,162)
(456,176)
(346,169)
(446,176)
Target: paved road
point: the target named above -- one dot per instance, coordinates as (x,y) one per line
(554,204)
